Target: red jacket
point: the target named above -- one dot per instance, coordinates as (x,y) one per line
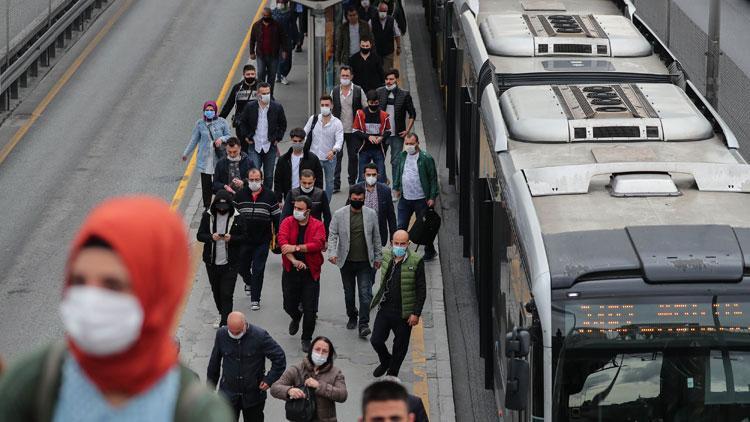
(315,240)
(359,127)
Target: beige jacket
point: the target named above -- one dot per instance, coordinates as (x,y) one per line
(332,387)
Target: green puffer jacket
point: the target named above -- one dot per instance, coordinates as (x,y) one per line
(427,174)
(408,282)
(28,391)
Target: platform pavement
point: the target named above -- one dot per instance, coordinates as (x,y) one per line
(426,370)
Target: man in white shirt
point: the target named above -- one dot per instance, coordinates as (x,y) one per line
(415,181)
(325,138)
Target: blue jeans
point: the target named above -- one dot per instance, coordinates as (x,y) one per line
(408,207)
(265,161)
(361,274)
(372,155)
(266,67)
(396,144)
(252,266)
(329,170)
(285,65)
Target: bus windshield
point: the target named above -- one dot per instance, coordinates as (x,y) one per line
(683,359)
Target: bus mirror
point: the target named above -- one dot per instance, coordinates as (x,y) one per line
(517,387)
(517,343)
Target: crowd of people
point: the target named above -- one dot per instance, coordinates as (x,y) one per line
(127,271)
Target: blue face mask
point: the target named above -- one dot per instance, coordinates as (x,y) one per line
(210,114)
(399,251)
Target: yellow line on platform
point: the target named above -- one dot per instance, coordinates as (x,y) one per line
(21,132)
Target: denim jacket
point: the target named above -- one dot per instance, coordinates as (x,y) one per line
(201,138)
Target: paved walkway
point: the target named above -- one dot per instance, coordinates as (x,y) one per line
(426,370)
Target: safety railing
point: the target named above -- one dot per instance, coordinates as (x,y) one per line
(41,45)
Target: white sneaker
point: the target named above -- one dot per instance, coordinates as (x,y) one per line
(284,80)
(255,306)
(217,322)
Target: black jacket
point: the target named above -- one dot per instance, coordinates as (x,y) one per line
(321,209)
(259,216)
(221,172)
(417,407)
(208,227)
(403,106)
(282,177)
(384,36)
(276,122)
(367,73)
(242,364)
(279,41)
(241,94)
(386,212)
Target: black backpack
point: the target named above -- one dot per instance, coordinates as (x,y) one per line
(302,410)
(425,228)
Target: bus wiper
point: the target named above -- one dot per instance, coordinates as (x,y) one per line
(603,394)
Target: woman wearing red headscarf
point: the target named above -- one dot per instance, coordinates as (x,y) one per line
(210,135)
(125,280)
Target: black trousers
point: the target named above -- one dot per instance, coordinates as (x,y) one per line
(222,279)
(298,287)
(385,322)
(352,144)
(207,188)
(249,414)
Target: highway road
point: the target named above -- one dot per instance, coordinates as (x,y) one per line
(117,126)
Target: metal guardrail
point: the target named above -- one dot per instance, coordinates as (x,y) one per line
(43,49)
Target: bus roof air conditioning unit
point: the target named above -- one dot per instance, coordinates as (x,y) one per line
(617,112)
(530,35)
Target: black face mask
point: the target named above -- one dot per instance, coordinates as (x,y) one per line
(364,50)
(267,19)
(249,81)
(357,205)
(373,108)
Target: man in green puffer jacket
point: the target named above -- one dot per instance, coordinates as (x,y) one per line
(400,298)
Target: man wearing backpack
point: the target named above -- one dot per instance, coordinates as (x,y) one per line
(415,181)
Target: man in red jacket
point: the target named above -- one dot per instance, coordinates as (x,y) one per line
(301,239)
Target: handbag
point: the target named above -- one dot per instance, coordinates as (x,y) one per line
(302,410)
(425,228)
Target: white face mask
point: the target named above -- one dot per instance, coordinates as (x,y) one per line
(306,190)
(326,111)
(345,81)
(382,15)
(236,337)
(365,4)
(265,98)
(99,321)
(299,215)
(318,359)
(410,149)
(371,180)
(391,87)
(254,186)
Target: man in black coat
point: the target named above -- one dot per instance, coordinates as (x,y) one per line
(378,197)
(367,66)
(230,171)
(239,354)
(263,124)
(242,93)
(308,186)
(221,233)
(290,166)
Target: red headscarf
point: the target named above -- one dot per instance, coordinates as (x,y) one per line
(212,104)
(151,241)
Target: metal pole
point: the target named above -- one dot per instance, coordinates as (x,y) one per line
(49,14)
(7,33)
(714,53)
(316,58)
(669,22)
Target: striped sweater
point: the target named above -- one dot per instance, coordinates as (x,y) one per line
(260,215)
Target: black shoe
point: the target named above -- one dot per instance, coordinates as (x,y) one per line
(298,49)
(364,332)
(294,326)
(336,190)
(429,255)
(306,345)
(381,370)
(247,290)
(352,323)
